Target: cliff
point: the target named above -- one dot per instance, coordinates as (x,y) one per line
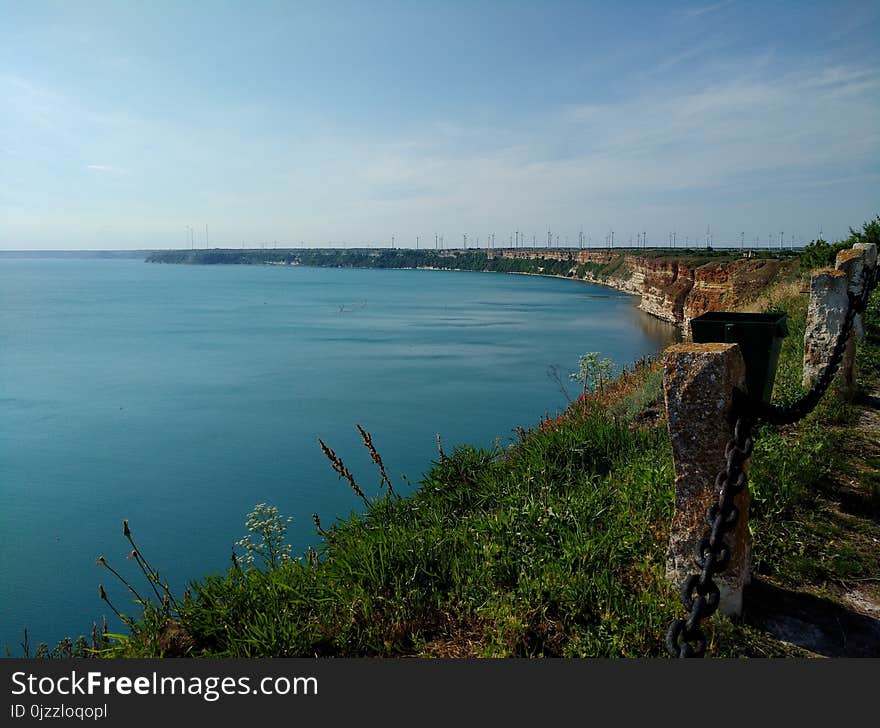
(674,289)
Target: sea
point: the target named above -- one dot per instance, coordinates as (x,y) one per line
(178,397)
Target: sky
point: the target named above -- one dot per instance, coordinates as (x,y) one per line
(137,124)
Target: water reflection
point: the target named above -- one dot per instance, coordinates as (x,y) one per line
(660,333)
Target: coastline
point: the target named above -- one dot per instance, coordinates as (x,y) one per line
(672,286)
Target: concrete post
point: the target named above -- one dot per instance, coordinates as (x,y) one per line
(852,263)
(870,251)
(698,383)
(825,314)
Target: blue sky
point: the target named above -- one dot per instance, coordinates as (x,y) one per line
(122,123)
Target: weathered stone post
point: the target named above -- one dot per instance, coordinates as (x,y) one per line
(870,251)
(698,383)
(852,263)
(870,262)
(825,314)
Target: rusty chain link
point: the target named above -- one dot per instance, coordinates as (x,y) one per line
(700,594)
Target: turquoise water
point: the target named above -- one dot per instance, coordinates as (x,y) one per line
(180,396)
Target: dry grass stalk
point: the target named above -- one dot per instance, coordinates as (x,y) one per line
(375,457)
(343,471)
(151,574)
(101,561)
(103,595)
(317,521)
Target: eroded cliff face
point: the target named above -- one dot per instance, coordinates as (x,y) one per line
(671,289)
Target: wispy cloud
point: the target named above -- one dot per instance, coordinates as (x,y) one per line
(688,54)
(705,9)
(108,169)
(651,155)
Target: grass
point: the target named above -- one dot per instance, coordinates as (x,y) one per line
(553,546)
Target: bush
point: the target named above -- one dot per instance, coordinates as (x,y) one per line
(820,254)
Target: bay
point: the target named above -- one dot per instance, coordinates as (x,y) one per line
(178,397)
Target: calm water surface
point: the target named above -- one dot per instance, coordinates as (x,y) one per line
(180,396)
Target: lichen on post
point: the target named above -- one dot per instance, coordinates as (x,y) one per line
(699,382)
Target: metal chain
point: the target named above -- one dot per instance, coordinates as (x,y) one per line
(700,594)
